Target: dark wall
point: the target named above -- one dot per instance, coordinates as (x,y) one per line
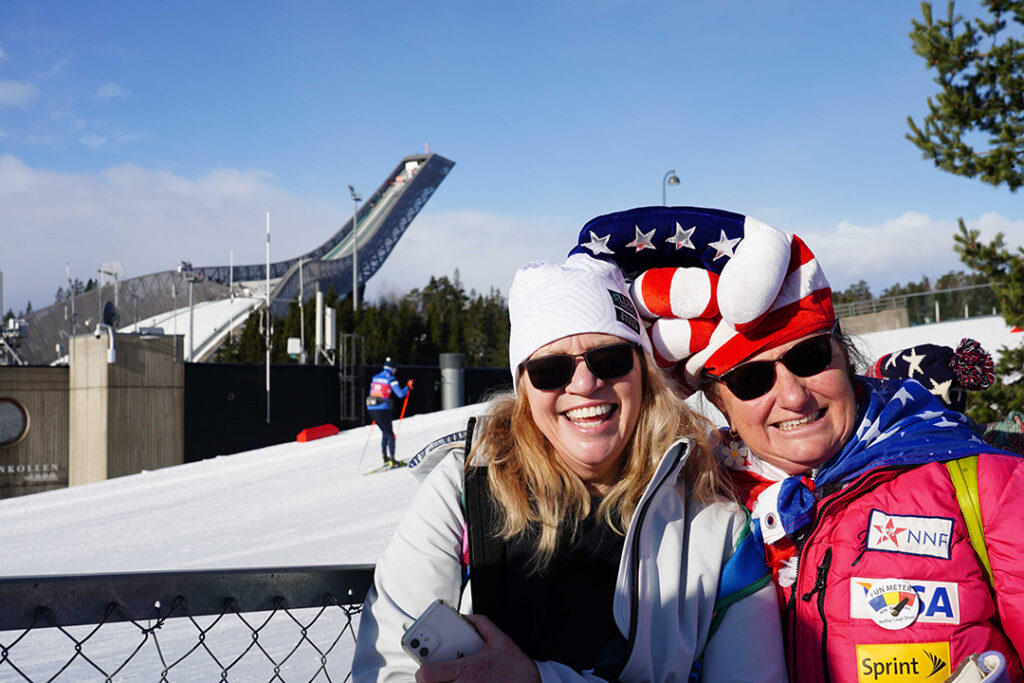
(226,404)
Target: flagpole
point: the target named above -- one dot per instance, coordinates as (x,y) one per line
(267,328)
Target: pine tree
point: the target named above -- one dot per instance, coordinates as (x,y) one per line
(1005,271)
(980,74)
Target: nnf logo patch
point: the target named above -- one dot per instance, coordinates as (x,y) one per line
(910,534)
(902,663)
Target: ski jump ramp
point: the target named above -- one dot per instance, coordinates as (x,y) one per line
(130,304)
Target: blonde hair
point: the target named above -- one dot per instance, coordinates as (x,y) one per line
(532,487)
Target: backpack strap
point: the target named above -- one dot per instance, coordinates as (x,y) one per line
(964,473)
(486,551)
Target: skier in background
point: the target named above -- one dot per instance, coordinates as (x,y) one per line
(382,386)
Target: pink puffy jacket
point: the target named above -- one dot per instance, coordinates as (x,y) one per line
(889,588)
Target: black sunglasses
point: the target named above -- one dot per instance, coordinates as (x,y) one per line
(754,379)
(556,370)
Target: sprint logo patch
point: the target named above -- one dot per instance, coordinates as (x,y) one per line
(903,663)
(910,534)
(939,600)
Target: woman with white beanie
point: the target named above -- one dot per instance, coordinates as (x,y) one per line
(619,556)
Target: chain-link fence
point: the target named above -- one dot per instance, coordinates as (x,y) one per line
(291,624)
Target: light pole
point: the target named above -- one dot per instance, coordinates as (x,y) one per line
(302,317)
(355,248)
(190,276)
(671,179)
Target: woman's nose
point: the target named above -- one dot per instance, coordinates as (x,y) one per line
(790,391)
(583,380)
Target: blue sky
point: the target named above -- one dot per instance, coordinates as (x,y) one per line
(148,133)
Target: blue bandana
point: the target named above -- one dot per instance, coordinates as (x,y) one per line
(900,423)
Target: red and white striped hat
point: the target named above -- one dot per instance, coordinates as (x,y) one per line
(716,287)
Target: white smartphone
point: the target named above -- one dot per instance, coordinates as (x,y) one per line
(441,634)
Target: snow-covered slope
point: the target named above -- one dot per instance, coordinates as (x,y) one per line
(291,504)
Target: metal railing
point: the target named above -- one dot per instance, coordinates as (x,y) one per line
(276,624)
(928,307)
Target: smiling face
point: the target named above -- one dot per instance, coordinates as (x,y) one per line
(589,421)
(802,421)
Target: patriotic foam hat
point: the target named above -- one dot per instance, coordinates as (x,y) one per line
(715,287)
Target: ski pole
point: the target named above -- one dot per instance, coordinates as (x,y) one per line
(404,404)
(369,433)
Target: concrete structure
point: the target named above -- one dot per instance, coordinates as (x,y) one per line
(453,371)
(892,319)
(127,416)
(34,457)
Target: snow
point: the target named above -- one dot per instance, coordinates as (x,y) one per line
(287,505)
(292,504)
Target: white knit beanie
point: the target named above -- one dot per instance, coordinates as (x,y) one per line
(548,301)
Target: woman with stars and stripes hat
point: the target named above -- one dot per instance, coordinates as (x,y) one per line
(887,570)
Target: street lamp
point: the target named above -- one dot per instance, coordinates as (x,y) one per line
(190,276)
(671,179)
(355,247)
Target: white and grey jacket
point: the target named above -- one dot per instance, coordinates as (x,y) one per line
(665,593)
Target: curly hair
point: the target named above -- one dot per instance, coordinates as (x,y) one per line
(536,492)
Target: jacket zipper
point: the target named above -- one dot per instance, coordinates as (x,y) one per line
(820,582)
(634,551)
(856,488)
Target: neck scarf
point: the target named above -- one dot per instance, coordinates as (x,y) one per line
(899,423)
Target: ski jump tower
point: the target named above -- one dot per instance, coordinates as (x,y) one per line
(382,220)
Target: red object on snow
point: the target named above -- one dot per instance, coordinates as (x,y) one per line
(1017,329)
(318,432)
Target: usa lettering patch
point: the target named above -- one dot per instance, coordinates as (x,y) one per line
(910,534)
(939,600)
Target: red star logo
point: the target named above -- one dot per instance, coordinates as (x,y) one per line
(889,532)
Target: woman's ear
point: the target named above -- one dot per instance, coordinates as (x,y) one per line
(712,393)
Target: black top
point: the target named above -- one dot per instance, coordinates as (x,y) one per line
(565,612)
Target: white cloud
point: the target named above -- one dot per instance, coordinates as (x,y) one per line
(485,248)
(119,136)
(43,140)
(17,93)
(109,91)
(901,249)
(149,219)
(93,141)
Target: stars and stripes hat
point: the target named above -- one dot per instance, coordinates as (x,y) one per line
(715,287)
(947,373)
(548,301)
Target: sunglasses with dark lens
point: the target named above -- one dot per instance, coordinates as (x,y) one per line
(755,379)
(556,370)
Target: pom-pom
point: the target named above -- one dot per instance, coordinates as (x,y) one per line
(972,365)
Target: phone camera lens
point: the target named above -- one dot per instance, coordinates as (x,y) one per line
(424,651)
(415,643)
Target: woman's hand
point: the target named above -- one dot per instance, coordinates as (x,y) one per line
(499,660)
